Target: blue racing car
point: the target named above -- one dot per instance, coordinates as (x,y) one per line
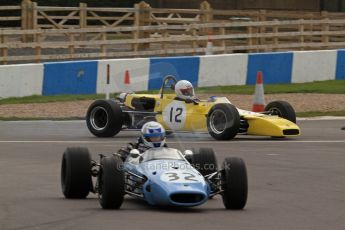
(160,176)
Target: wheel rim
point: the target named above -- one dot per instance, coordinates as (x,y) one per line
(99,118)
(275,111)
(218,121)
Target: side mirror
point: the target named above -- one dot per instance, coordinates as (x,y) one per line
(134,153)
(188,152)
(122,97)
(212,99)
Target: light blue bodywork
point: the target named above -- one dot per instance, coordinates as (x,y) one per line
(171,180)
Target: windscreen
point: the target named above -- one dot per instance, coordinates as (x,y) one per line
(162,153)
(169,85)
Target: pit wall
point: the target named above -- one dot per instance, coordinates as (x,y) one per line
(90,77)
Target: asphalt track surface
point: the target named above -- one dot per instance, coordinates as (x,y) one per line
(296,183)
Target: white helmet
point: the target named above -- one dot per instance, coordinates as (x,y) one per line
(184,90)
(153,134)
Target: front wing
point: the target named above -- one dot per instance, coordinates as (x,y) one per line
(271,126)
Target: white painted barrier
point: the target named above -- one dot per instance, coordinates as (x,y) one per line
(21,80)
(311,66)
(138,71)
(223,70)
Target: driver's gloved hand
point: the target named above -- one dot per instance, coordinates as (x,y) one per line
(123,152)
(130,146)
(191,101)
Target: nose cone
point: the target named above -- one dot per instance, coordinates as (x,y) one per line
(178,185)
(271,126)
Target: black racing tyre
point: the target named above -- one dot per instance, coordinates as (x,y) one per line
(111,183)
(282,109)
(223,121)
(144,121)
(204,160)
(76,173)
(104,118)
(234,183)
(169,132)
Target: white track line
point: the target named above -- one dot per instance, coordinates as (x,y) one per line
(179,142)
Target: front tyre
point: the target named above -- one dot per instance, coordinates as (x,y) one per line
(234,183)
(282,109)
(204,160)
(223,121)
(76,173)
(104,118)
(111,183)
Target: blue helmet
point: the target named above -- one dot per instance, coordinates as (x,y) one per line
(153,134)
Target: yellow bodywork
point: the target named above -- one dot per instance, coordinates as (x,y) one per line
(193,118)
(266,125)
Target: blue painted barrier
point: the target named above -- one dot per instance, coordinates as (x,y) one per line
(70,78)
(275,67)
(183,68)
(340,69)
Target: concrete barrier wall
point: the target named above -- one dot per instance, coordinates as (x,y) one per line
(21,80)
(223,70)
(314,66)
(137,70)
(70,78)
(340,66)
(183,68)
(89,77)
(275,67)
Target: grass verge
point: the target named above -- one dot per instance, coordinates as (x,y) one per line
(329,87)
(47,99)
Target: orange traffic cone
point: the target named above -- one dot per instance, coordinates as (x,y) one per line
(259,98)
(127,78)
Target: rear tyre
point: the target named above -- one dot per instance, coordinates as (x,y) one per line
(204,160)
(111,183)
(223,121)
(234,183)
(104,118)
(76,173)
(282,109)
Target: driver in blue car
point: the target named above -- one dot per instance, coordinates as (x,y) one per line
(152,136)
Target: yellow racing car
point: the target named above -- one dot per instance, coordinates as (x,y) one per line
(217,116)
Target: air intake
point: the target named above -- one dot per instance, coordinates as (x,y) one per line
(187,198)
(291,132)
